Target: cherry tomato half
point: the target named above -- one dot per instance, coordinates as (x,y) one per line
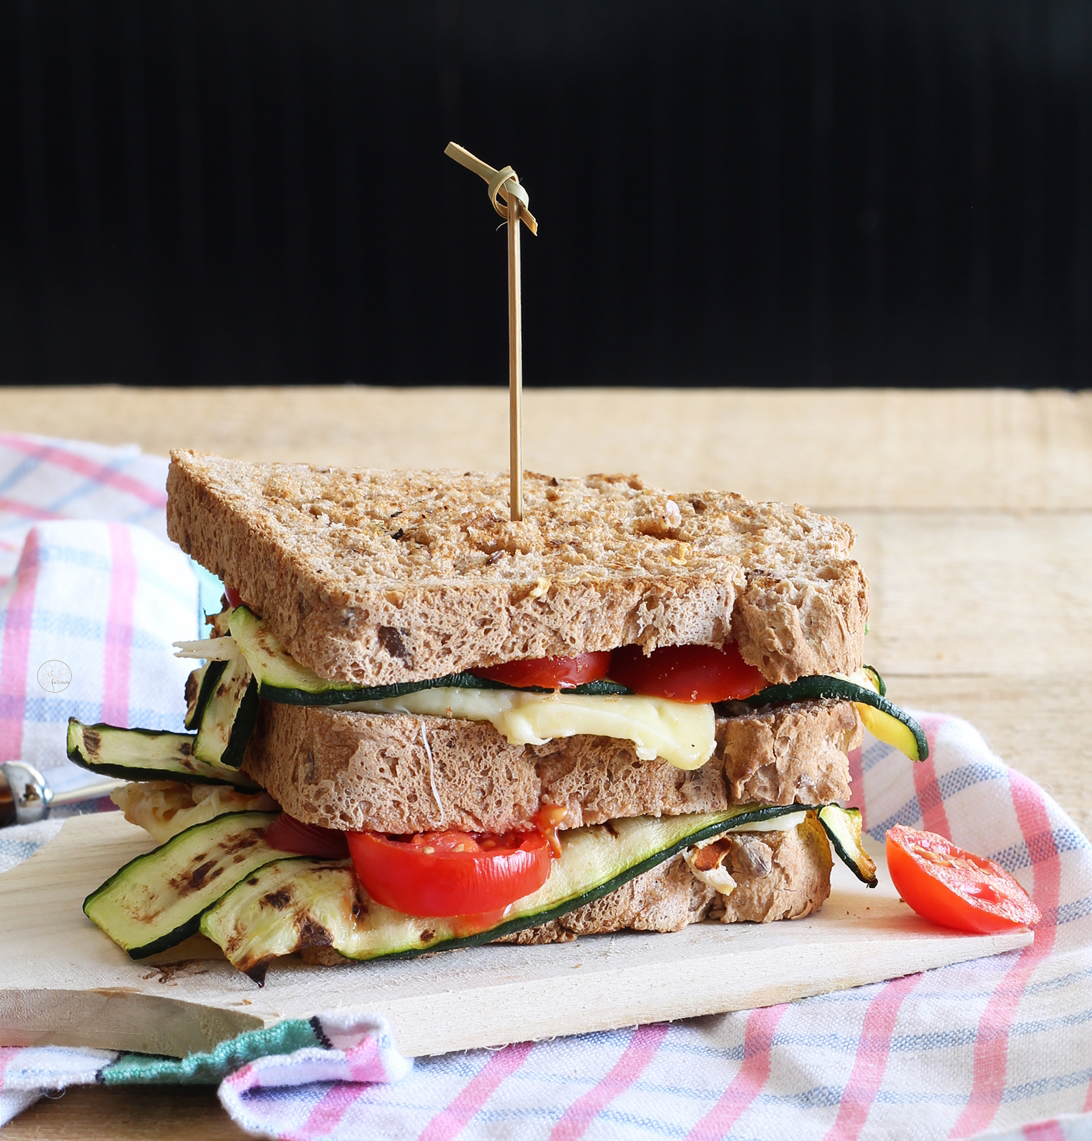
(292,835)
(686,673)
(953,887)
(450,873)
(550,673)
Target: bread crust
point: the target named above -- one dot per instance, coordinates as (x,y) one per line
(400,773)
(381,577)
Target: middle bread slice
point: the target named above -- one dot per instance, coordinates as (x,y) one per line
(402,773)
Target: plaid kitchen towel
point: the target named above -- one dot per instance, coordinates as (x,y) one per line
(91,597)
(999,1046)
(43,479)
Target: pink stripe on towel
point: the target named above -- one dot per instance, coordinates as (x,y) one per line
(13,667)
(119,627)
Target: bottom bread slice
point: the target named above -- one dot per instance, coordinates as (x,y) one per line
(782,874)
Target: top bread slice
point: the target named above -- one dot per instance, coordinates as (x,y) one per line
(380,577)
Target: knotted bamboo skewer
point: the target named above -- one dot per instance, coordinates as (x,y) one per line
(505,183)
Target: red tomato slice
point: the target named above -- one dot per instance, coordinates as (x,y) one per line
(292,835)
(550,673)
(687,673)
(450,873)
(955,888)
(234,598)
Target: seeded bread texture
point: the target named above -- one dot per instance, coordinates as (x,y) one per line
(401,773)
(779,875)
(380,577)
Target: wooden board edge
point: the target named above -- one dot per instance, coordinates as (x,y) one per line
(437,1024)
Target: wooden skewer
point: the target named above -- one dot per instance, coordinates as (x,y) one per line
(505,183)
(515,366)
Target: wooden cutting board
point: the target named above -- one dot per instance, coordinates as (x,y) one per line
(64,982)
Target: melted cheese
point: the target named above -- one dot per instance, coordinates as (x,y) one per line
(775,824)
(163,808)
(675,731)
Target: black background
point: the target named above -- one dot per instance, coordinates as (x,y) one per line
(849,192)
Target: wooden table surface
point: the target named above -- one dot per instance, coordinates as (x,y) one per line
(973,511)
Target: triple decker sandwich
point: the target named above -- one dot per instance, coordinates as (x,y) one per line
(421,725)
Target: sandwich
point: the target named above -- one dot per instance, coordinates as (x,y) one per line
(419,725)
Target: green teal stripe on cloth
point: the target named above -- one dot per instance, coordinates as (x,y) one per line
(212,1067)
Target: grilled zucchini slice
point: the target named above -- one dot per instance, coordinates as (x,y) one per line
(157,899)
(882,718)
(229,712)
(843,827)
(146,754)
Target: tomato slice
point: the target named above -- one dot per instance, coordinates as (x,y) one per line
(291,835)
(234,598)
(549,673)
(687,673)
(953,887)
(450,873)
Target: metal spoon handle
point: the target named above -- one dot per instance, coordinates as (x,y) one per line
(25,795)
(86,792)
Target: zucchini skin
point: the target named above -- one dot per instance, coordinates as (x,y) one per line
(85,741)
(246,718)
(210,678)
(821,688)
(345,694)
(195,706)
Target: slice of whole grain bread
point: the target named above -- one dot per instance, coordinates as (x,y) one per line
(380,577)
(401,773)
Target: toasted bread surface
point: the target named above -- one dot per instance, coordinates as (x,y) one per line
(380,577)
(400,773)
